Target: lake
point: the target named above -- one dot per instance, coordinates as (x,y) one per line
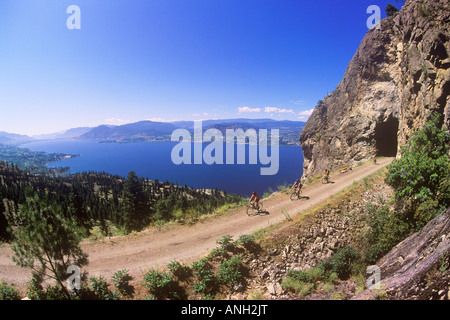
(153,160)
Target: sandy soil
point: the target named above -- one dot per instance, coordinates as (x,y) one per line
(154,248)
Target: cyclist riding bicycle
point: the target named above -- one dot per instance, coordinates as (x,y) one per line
(254,200)
(298,185)
(326,174)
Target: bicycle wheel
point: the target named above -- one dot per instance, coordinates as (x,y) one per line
(260,207)
(251,211)
(324,180)
(294,196)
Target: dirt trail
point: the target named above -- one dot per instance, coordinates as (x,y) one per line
(155,248)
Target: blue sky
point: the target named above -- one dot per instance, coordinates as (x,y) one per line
(171,59)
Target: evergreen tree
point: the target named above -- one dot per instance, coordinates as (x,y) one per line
(77,210)
(45,242)
(391,10)
(135,200)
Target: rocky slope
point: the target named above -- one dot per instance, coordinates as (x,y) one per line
(398,76)
(416,269)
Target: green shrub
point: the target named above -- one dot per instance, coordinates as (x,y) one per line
(338,266)
(420,178)
(300,287)
(230,271)
(207,281)
(342,262)
(226,242)
(313,275)
(179,270)
(248,242)
(386,229)
(159,284)
(8,292)
(218,252)
(121,281)
(55,293)
(200,287)
(299,275)
(100,288)
(303,282)
(35,291)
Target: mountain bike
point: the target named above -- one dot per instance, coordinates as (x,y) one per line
(325,179)
(296,194)
(253,209)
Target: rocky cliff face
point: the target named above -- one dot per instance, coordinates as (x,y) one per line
(398,76)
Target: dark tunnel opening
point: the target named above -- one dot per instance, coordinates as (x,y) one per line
(386,137)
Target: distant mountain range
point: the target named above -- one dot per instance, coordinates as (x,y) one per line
(148,131)
(14,139)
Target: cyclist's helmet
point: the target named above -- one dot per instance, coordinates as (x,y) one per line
(254,192)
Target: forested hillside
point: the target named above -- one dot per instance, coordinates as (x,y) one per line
(99,199)
(32,161)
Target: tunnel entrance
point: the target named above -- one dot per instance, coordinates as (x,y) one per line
(386,137)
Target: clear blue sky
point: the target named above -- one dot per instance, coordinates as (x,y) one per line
(171,59)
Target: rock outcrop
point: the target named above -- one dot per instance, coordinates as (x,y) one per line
(417,267)
(398,76)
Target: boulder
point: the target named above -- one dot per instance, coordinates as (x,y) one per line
(406,271)
(274,288)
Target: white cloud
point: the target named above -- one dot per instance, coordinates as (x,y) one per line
(277,110)
(248,110)
(304,115)
(116,121)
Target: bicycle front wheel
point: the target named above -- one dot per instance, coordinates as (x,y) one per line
(251,211)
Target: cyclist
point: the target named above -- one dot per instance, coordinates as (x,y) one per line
(326,174)
(254,200)
(298,185)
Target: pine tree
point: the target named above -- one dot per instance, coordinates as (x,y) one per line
(135,200)
(391,10)
(77,209)
(45,242)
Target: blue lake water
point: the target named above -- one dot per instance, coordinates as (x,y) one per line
(153,161)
